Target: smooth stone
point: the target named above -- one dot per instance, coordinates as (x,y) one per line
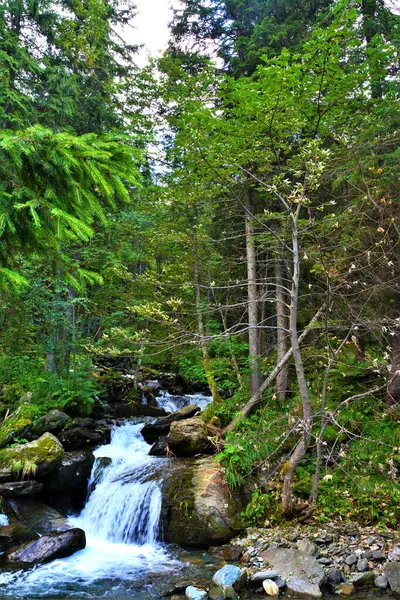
(394,553)
(302,572)
(152,431)
(381,582)
(392,572)
(345,589)
(306,546)
(377,555)
(270,587)
(334,576)
(188,437)
(229,552)
(362,565)
(228,575)
(192,593)
(52,422)
(56,544)
(351,560)
(225,592)
(38,517)
(260,576)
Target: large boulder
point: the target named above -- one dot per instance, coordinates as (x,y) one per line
(17,424)
(302,573)
(85,433)
(15,489)
(152,431)
(127,410)
(52,422)
(56,544)
(189,437)
(14,535)
(38,517)
(392,572)
(73,473)
(198,508)
(31,460)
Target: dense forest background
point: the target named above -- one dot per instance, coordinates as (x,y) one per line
(228,213)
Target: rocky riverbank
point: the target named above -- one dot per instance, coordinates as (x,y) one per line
(304,561)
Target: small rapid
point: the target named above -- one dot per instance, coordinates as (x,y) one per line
(121,521)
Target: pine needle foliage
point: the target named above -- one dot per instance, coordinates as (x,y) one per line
(54,186)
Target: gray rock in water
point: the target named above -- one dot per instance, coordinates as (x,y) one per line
(77,438)
(334,576)
(301,572)
(160,447)
(189,437)
(38,517)
(381,582)
(14,489)
(262,575)
(14,535)
(73,473)
(306,546)
(392,572)
(192,593)
(57,544)
(228,575)
(362,565)
(152,431)
(351,560)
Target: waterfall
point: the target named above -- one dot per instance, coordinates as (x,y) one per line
(125,504)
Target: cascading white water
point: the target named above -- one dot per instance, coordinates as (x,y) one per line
(170,402)
(121,521)
(125,504)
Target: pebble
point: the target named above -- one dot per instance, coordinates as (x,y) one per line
(270,587)
(362,565)
(351,560)
(193,593)
(381,582)
(262,575)
(345,589)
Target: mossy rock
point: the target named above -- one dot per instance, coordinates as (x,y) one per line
(31,460)
(198,508)
(17,424)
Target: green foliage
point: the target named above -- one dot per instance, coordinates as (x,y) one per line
(262,508)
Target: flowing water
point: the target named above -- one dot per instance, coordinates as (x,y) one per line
(123,557)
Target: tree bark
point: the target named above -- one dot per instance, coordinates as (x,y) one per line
(282,345)
(252,301)
(393,388)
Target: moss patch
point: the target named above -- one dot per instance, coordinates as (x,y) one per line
(17,423)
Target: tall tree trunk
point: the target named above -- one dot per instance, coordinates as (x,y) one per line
(200,322)
(252,301)
(393,389)
(282,337)
(306,421)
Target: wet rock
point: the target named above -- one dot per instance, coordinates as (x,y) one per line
(189,437)
(270,587)
(31,460)
(14,535)
(52,422)
(381,582)
(192,593)
(198,508)
(14,489)
(223,593)
(152,431)
(77,438)
(56,544)
(334,576)
(306,546)
(302,573)
(228,575)
(365,579)
(261,576)
(17,424)
(38,517)
(392,572)
(160,447)
(346,589)
(73,473)
(126,410)
(229,552)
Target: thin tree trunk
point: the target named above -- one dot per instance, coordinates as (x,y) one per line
(302,445)
(252,299)
(200,324)
(393,389)
(282,345)
(256,398)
